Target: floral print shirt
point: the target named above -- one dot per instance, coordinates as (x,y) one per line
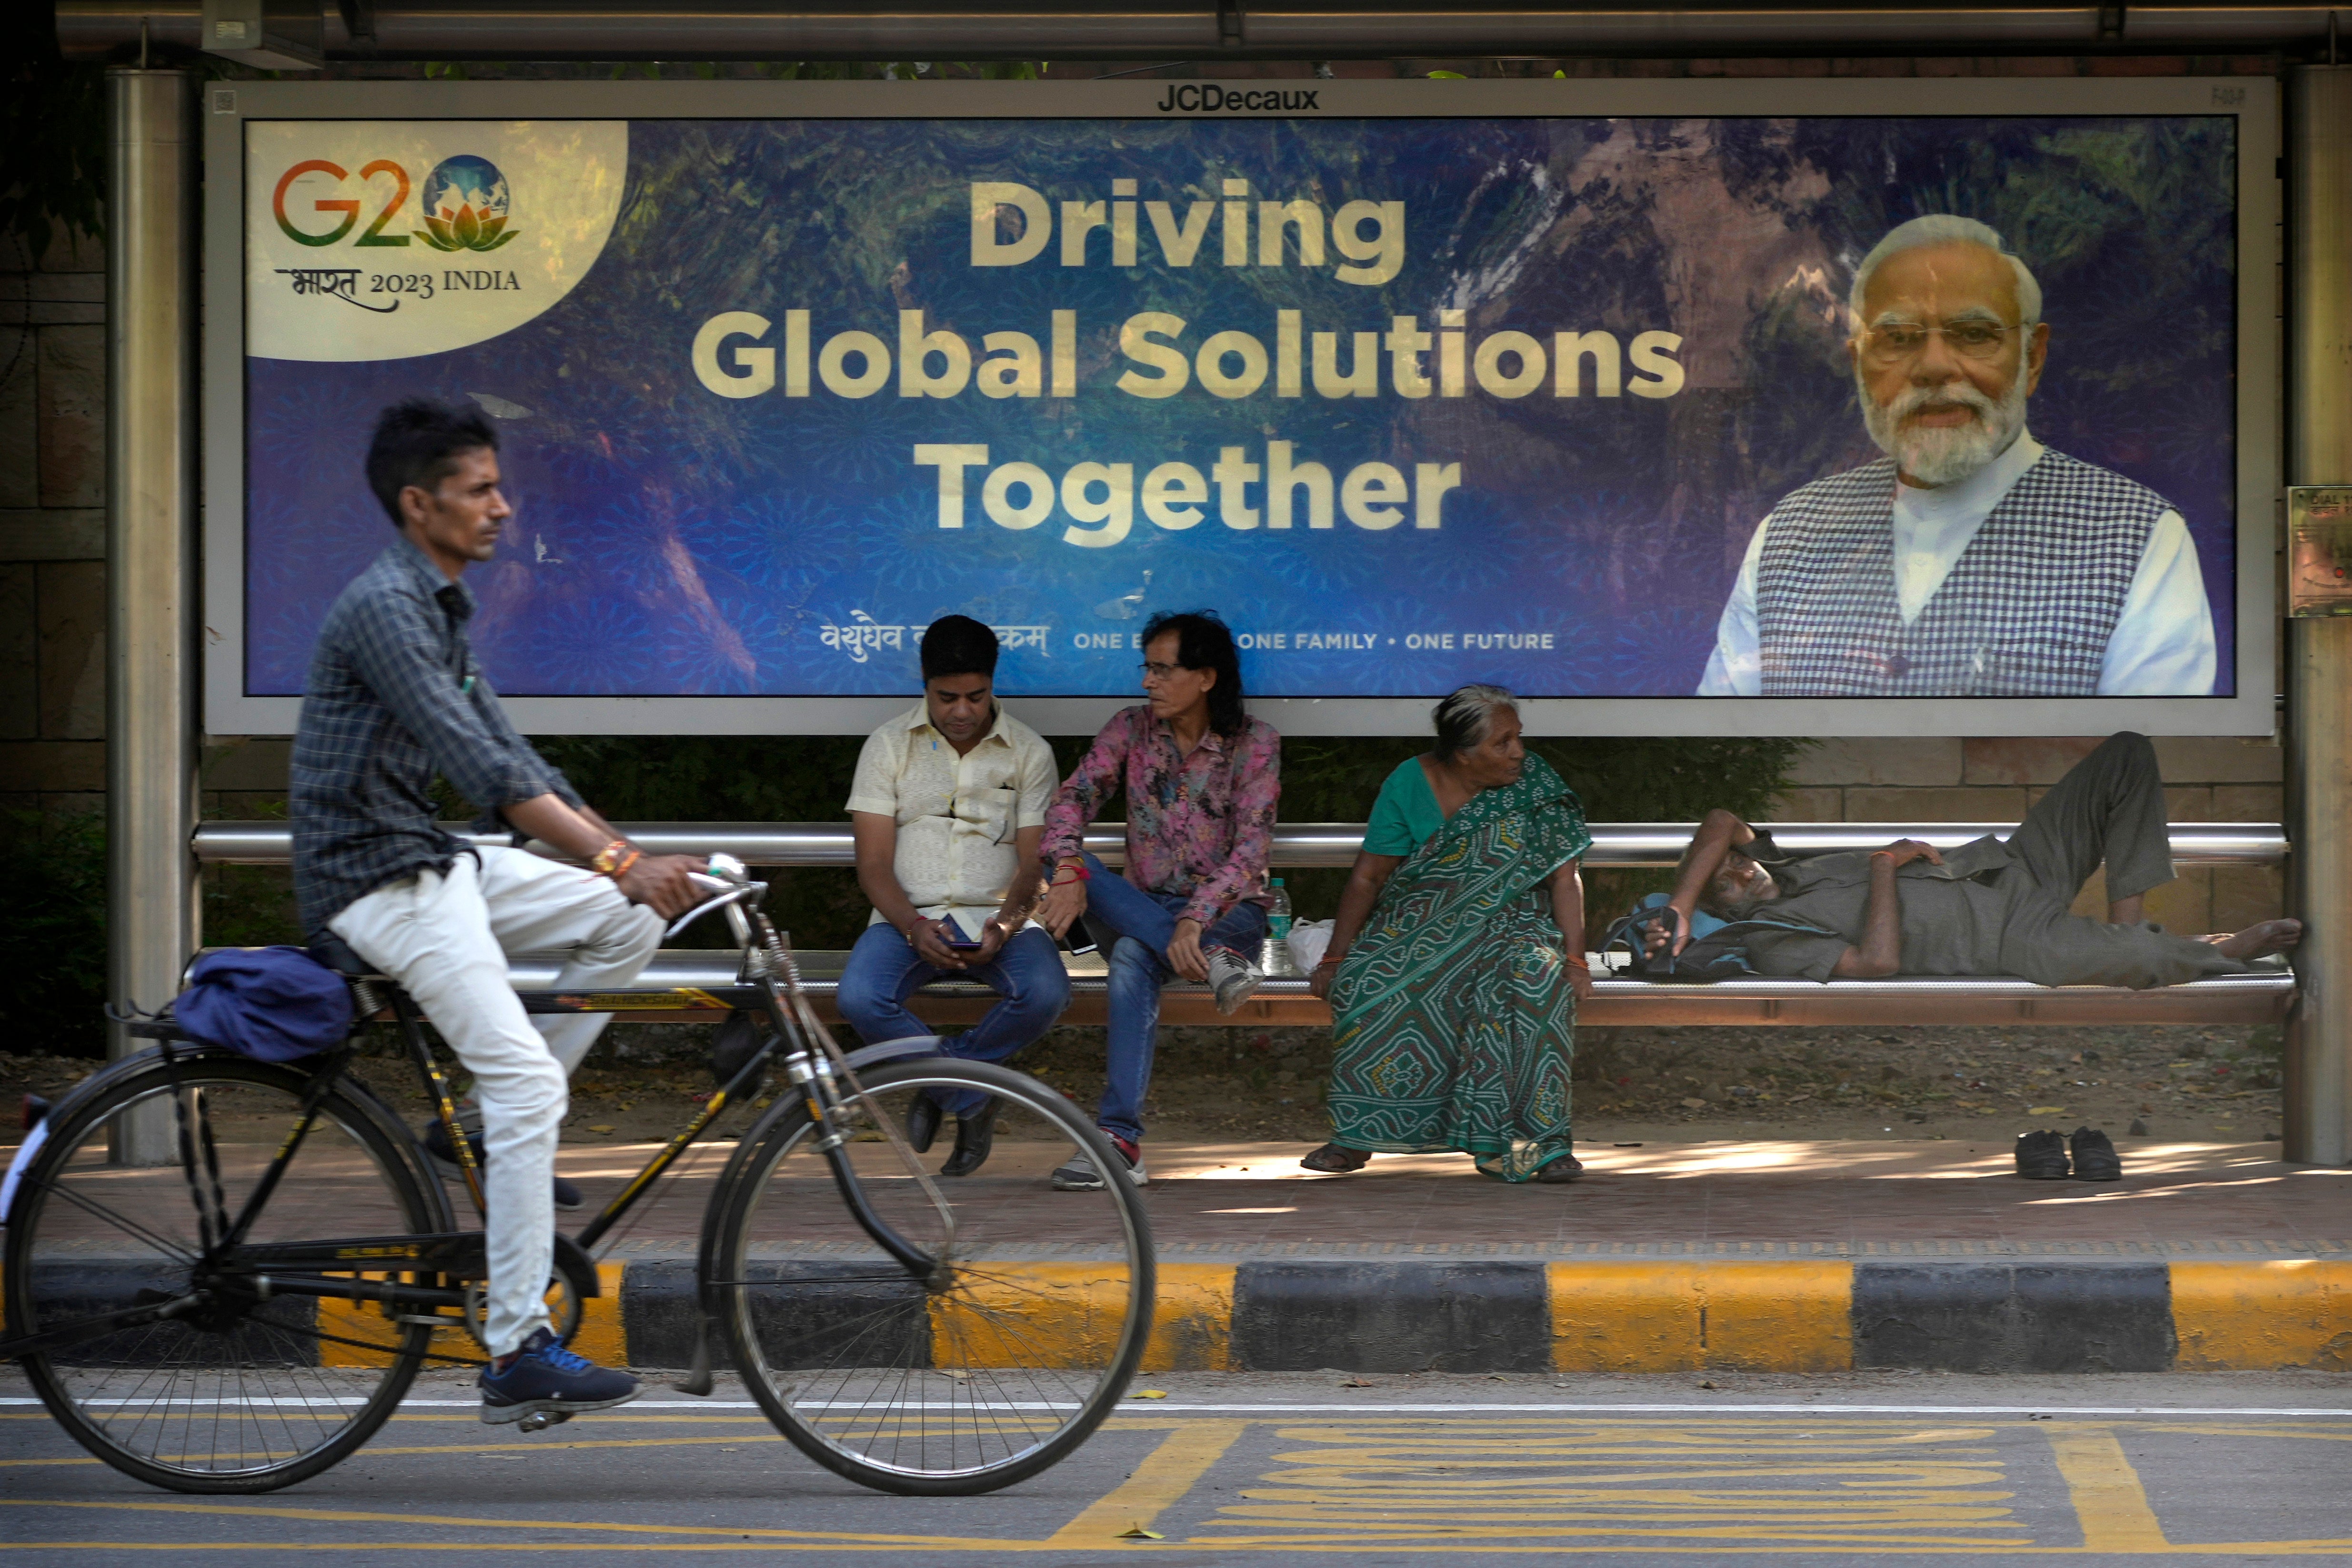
(1201,825)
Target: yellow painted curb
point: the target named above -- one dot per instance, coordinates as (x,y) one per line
(1192,1330)
(1792,1316)
(2261,1317)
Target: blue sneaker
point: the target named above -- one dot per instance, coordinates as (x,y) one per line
(545,1379)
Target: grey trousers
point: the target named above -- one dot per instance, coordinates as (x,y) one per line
(2109,807)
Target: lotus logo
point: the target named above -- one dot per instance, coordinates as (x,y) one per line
(466,206)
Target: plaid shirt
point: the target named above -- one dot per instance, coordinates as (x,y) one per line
(393,696)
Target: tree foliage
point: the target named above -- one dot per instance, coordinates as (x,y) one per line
(52,134)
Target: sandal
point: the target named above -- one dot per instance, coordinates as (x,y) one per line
(1567,1168)
(1337,1158)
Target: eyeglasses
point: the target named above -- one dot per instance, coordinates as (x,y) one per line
(1159,671)
(1900,340)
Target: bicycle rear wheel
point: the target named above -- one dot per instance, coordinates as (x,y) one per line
(1027,1340)
(248,1392)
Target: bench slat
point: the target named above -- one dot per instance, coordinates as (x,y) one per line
(2225,999)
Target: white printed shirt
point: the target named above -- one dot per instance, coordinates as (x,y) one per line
(2163,644)
(957,815)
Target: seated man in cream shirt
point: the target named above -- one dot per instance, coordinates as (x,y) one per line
(947,808)
(1971,560)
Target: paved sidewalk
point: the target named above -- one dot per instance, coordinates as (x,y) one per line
(1856,1199)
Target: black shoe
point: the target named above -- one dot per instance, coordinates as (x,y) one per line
(974,1134)
(444,1160)
(923,1123)
(2042,1156)
(2094,1156)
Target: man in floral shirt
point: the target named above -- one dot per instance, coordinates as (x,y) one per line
(1200,778)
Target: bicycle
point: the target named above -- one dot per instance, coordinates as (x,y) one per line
(916,1345)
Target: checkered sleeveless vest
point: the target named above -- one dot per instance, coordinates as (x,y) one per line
(2026,612)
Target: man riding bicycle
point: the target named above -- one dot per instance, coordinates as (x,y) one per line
(393,697)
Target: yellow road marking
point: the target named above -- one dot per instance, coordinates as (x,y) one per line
(1520,1486)
(1170,1473)
(2106,1492)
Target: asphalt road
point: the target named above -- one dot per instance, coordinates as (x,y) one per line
(1230,1469)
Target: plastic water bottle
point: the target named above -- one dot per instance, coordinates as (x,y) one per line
(1275,958)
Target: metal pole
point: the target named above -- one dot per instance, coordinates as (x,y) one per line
(2318,1121)
(150,552)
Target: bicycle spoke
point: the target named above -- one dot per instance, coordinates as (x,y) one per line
(122,1222)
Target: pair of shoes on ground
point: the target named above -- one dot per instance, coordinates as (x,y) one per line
(975,1133)
(543,1378)
(1080,1175)
(444,1160)
(2052,1156)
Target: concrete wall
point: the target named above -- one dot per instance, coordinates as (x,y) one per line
(52,525)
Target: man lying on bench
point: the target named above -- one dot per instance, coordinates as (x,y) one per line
(1988,907)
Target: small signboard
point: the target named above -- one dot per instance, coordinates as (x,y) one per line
(2319,548)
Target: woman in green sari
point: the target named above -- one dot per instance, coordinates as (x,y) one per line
(1458,956)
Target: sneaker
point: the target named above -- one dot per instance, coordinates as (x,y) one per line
(1080,1175)
(1234,979)
(2094,1156)
(444,1160)
(545,1377)
(2042,1156)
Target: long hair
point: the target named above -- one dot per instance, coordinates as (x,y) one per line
(1205,642)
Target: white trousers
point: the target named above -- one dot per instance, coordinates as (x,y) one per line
(446,939)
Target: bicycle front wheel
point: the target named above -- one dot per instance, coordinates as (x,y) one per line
(238,1390)
(994,1369)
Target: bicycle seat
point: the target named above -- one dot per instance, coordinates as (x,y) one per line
(335,953)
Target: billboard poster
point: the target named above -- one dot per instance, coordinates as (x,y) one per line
(1700,410)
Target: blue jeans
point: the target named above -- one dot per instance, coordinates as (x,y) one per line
(1026,971)
(1134,929)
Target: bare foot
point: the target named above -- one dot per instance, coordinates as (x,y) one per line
(2267,936)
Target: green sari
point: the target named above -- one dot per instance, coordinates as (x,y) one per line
(1452,1018)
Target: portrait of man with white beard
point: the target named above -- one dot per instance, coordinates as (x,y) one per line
(1969,561)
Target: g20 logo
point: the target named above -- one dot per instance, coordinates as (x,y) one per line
(465,205)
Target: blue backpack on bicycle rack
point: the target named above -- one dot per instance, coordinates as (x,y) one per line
(272,1004)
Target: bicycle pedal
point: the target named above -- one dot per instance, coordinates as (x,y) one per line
(540,1420)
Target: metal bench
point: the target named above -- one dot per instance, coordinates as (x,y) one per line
(2236,999)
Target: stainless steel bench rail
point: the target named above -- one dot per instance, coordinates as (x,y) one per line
(1624,844)
(2238,1000)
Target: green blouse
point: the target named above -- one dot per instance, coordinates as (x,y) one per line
(1405,814)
